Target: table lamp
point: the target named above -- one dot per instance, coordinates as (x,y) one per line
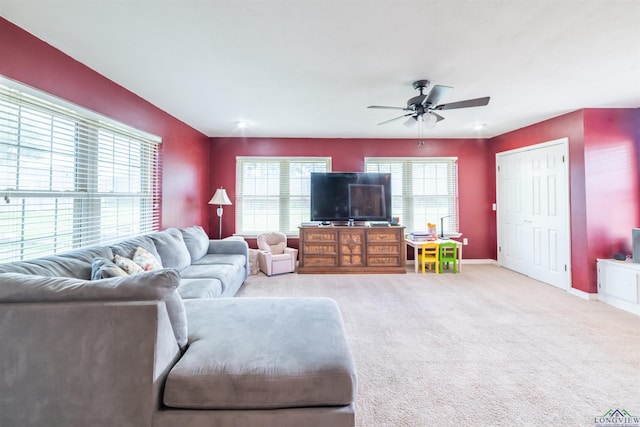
(442,225)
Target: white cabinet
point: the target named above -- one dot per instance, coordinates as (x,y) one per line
(619,283)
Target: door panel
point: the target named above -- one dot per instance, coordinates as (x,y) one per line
(533,212)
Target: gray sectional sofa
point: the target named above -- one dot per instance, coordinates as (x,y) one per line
(166,347)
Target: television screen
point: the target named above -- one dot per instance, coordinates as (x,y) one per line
(341,196)
(366,201)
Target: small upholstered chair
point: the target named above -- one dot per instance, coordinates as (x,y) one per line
(274,256)
(448,253)
(429,256)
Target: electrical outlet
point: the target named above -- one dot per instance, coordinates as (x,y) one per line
(465,241)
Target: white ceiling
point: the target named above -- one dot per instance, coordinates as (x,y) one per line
(309,68)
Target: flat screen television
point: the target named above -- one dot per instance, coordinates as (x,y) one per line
(344,196)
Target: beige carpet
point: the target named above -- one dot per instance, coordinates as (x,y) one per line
(484,347)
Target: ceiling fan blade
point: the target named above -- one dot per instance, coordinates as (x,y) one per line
(436,94)
(477,102)
(395,118)
(387,108)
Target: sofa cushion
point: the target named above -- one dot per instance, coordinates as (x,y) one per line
(76,263)
(226,273)
(103,268)
(127,248)
(256,353)
(232,259)
(196,240)
(171,248)
(146,260)
(200,288)
(155,285)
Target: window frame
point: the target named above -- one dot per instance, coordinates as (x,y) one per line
(76,217)
(405,204)
(283,198)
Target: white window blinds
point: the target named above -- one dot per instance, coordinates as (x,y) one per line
(70,178)
(424,190)
(273,193)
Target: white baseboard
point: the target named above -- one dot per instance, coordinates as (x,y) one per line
(618,303)
(607,299)
(479,261)
(582,294)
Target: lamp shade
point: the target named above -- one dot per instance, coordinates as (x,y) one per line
(220,198)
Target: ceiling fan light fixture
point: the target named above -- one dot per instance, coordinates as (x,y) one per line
(430,120)
(411,121)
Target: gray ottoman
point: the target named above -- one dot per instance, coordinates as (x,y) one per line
(263,353)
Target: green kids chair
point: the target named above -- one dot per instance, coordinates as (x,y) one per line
(448,254)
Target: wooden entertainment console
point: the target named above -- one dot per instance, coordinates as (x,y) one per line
(345,249)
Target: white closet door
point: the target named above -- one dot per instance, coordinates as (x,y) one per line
(514,231)
(533,212)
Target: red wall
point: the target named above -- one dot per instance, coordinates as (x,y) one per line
(603,175)
(349,154)
(612,186)
(185,151)
(570,126)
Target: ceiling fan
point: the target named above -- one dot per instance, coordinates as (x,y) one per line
(422,105)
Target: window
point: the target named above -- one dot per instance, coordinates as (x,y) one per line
(273,192)
(70,178)
(423,190)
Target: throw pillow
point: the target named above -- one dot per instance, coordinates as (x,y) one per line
(146,260)
(127,265)
(197,242)
(102,268)
(172,249)
(157,285)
